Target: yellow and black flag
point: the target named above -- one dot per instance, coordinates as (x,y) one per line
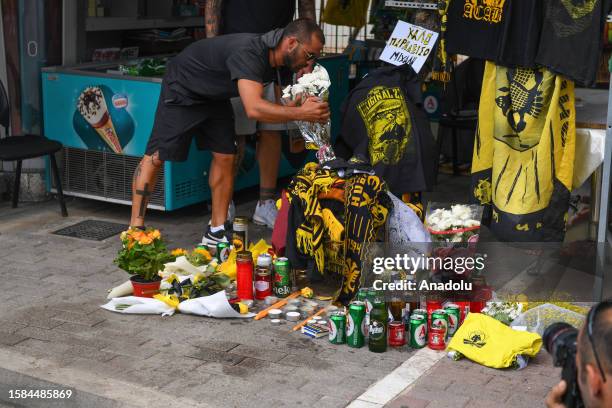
(524,152)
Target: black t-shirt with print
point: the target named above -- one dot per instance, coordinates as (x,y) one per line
(209,69)
(383,121)
(571,38)
(255,16)
(475,28)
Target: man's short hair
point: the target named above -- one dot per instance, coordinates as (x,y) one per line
(303,29)
(602,337)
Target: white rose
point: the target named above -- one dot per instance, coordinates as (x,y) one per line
(297,89)
(471,223)
(306,79)
(321,84)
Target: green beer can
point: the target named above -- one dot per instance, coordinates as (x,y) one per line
(362,295)
(420,312)
(337,327)
(354,324)
(453,314)
(418,331)
(223,251)
(439,318)
(282,277)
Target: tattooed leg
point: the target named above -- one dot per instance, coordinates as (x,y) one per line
(145,177)
(212,20)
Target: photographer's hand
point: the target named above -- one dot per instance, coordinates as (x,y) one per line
(554,399)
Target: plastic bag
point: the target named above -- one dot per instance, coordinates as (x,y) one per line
(406,230)
(491,343)
(536,320)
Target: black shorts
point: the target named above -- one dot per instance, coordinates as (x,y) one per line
(178,120)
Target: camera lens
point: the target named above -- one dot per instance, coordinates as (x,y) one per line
(558,334)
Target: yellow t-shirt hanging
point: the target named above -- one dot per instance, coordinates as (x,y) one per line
(352,13)
(523,159)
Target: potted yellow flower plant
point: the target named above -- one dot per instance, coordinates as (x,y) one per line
(143,255)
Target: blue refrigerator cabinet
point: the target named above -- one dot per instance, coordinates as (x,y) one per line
(104,120)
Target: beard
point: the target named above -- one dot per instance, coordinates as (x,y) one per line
(290,58)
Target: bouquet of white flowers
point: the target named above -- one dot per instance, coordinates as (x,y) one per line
(317,135)
(504,312)
(460,223)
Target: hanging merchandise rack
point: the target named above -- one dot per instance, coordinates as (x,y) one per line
(411,4)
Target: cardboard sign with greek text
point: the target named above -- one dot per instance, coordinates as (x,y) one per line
(409,44)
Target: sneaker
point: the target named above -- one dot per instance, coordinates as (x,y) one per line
(231,214)
(265,213)
(213,238)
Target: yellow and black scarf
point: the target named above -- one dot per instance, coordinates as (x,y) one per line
(306,187)
(366,208)
(321,235)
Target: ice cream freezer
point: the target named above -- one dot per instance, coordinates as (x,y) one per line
(104,120)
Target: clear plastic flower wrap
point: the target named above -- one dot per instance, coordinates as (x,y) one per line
(454,230)
(316,135)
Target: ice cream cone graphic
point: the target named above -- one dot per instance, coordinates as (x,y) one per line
(92,107)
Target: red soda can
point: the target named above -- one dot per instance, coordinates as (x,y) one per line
(244,275)
(263,283)
(436,338)
(397,334)
(464,307)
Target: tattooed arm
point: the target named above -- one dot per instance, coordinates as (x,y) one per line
(306,9)
(212,16)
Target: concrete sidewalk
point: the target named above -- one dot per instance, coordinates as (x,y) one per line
(457,384)
(53,335)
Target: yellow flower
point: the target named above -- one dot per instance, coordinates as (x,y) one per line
(170,300)
(202,252)
(145,240)
(178,252)
(137,234)
(155,234)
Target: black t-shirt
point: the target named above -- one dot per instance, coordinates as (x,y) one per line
(474,28)
(571,38)
(210,68)
(255,16)
(382,120)
(521,33)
